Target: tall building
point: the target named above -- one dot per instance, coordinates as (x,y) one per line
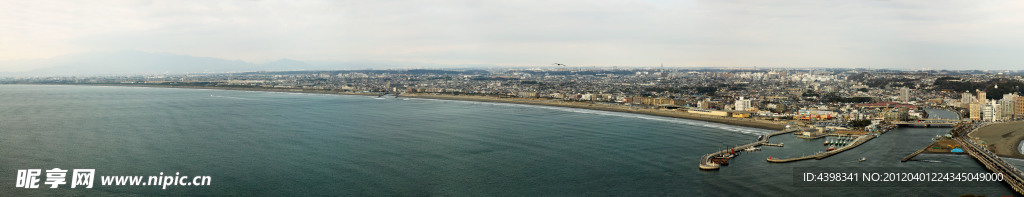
(975,108)
(981,97)
(990,112)
(743,104)
(905,94)
(705,104)
(996,115)
(1018,107)
(966,99)
(1006,106)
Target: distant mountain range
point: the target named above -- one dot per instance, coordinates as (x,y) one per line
(138,62)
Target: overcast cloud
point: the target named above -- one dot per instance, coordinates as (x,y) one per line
(896,34)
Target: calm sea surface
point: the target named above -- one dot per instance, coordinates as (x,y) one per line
(265,143)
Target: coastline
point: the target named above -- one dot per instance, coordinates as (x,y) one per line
(1002,138)
(762,124)
(292,90)
(607,107)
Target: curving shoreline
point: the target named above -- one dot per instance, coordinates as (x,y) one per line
(745,122)
(610,107)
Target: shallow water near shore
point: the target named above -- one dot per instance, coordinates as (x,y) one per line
(269,143)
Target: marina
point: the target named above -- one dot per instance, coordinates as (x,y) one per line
(834,143)
(821,155)
(713,161)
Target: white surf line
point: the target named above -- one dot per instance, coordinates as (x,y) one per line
(733,128)
(1020,147)
(231,97)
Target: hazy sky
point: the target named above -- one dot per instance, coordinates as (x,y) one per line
(903,34)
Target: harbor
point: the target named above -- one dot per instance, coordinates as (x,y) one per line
(836,142)
(714,161)
(883,151)
(845,145)
(958,141)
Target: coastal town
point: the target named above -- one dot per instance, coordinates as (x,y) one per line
(845,107)
(841,98)
(512,98)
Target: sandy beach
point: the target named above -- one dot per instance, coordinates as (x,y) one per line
(746,122)
(1002,138)
(771,125)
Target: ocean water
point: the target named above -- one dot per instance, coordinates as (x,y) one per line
(277,144)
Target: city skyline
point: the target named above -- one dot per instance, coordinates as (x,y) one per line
(864,34)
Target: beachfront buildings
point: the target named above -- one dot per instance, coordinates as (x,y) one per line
(975,111)
(742,104)
(990,112)
(1018,110)
(1006,106)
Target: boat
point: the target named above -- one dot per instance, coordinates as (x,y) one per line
(751,149)
(831,148)
(863,159)
(722,160)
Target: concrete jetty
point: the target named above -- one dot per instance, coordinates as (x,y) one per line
(705,161)
(857,142)
(942,145)
(912,155)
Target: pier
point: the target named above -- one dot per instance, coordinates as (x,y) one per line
(857,142)
(705,161)
(942,145)
(912,155)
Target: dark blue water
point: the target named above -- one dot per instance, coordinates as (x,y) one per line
(264,143)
